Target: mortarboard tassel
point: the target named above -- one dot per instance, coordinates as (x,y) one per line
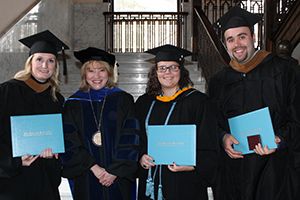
(64,62)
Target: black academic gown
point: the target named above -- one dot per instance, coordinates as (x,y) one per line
(118,153)
(41,179)
(273,83)
(192,107)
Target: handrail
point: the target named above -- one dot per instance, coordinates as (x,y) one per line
(275,13)
(211,54)
(287,16)
(146,13)
(139,31)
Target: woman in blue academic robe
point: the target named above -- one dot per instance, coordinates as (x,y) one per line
(101,135)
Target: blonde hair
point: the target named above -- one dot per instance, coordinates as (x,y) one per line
(26,73)
(84,86)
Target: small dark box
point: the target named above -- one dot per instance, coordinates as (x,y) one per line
(253,140)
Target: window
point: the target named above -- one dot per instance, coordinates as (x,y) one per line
(145,5)
(139,25)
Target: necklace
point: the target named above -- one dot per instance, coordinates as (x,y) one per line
(97,136)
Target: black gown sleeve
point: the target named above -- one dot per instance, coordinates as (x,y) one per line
(124,163)
(141,106)
(214,90)
(290,131)
(207,141)
(9,166)
(76,159)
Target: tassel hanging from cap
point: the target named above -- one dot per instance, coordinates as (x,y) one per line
(65,72)
(159,193)
(116,75)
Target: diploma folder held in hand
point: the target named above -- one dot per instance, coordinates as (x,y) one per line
(31,134)
(172,143)
(252,128)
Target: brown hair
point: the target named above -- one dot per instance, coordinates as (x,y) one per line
(154,86)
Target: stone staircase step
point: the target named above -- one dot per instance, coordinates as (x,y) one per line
(133,72)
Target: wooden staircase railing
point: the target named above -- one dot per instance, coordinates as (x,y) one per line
(284,25)
(211,54)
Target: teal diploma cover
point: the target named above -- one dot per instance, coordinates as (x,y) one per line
(31,134)
(252,128)
(172,143)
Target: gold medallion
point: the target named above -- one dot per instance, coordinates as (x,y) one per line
(97,140)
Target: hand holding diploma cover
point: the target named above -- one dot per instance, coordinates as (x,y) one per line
(31,134)
(252,128)
(172,143)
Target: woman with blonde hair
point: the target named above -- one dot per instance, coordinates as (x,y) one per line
(34,90)
(26,74)
(100,133)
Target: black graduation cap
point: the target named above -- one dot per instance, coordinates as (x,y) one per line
(169,53)
(92,53)
(237,17)
(46,42)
